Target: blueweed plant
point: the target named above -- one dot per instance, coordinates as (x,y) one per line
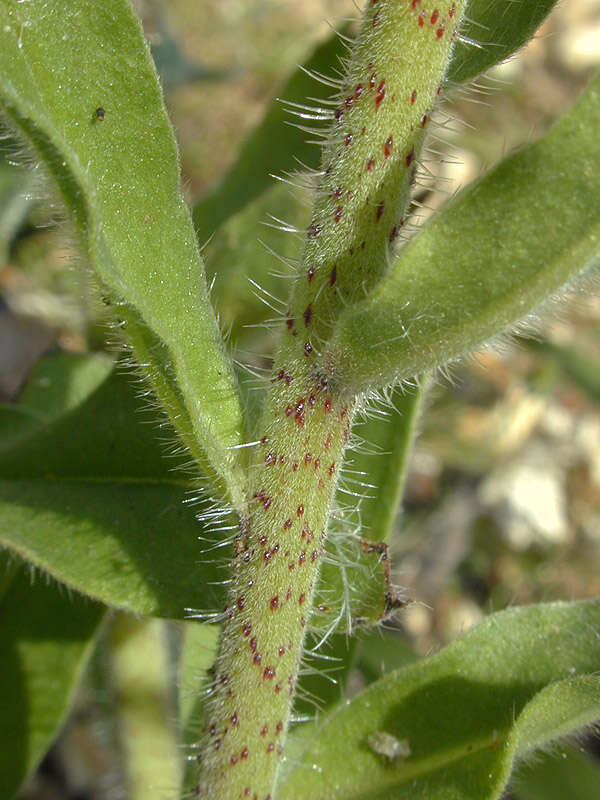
(375,306)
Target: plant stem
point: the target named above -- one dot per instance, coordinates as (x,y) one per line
(275,571)
(369,158)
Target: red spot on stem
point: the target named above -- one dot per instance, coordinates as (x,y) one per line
(380,94)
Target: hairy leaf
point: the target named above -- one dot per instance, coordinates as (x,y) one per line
(493,254)
(46,638)
(520,679)
(96,121)
(92,500)
(491,32)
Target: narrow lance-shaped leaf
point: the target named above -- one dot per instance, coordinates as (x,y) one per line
(451,726)
(97,121)
(46,638)
(490,257)
(91,499)
(492,30)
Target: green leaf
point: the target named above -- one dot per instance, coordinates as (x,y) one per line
(491,32)
(243,239)
(46,638)
(91,499)
(556,776)
(375,470)
(383,650)
(387,434)
(59,383)
(274,146)
(198,653)
(493,254)
(520,679)
(141,674)
(117,172)
(325,673)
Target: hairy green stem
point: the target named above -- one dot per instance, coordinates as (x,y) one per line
(377,128)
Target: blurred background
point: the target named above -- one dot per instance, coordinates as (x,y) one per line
(503,497)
